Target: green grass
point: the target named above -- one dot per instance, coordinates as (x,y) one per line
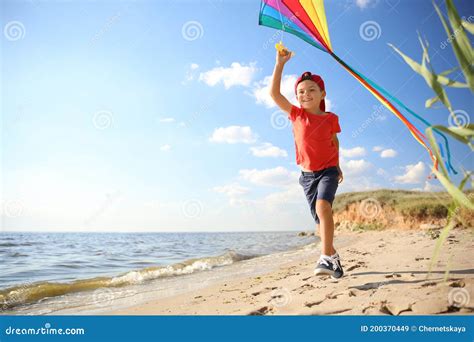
(416,204)
(367,226)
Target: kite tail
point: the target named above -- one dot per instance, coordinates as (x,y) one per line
(448,164)
(413,130)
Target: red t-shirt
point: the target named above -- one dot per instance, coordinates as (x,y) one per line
(315,148)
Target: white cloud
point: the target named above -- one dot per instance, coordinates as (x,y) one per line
(329,104)
(261,90)
(293,193)
(277,202)
(358,183)
(377,148)
(388,153)
(268,150)
(231,190)
(354,167)
(432,187)
(57,195)
(236,74)
(278,176)
(281,203)
(190,73)
(165,147)
(358,176)
(363,3)
(167,120)
(353,152)
(414,173)
(233,135)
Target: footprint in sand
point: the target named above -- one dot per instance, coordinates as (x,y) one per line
(303,288)
(393,275)
(311,304)
(265,310)
(266,290)
(354,251)
(286,275)
(357,265)
(431,283)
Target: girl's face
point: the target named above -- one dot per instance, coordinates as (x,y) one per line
(309,95)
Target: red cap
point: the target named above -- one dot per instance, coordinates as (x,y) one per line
(315,78)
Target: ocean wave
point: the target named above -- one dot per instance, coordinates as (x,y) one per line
(33,292)
(12,244)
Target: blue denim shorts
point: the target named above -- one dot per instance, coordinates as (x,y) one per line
(320,184)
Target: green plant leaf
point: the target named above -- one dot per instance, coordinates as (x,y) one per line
(459,32)
(468,26)
(463,134)
(435,149)
(451,224)
(467,175)
(454,191)
(430,76)
(431,102)
(461,46)
(447,72)
(418,69)
(441,239)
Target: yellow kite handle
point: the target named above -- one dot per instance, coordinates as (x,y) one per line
(282,50)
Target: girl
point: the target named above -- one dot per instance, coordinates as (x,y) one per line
(317,153)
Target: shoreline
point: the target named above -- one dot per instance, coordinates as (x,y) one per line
(385,274)
(161,258)
(102,298)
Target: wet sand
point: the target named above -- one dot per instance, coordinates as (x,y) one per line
(386,272)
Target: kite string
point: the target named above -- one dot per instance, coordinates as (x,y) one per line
(427,123)
(415,133)
(281,20)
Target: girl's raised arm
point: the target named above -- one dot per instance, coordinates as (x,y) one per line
(275,92)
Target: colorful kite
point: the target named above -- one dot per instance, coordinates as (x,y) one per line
(306,19)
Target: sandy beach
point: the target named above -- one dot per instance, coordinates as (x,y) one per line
(386,272)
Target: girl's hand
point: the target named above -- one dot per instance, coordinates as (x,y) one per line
(340,177)
(283,56)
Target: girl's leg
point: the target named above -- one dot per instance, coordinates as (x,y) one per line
(326,226)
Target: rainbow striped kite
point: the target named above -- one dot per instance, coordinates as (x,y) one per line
(306,19)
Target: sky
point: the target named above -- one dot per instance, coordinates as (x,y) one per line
(155,115)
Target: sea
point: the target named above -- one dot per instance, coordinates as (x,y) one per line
(89,273)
